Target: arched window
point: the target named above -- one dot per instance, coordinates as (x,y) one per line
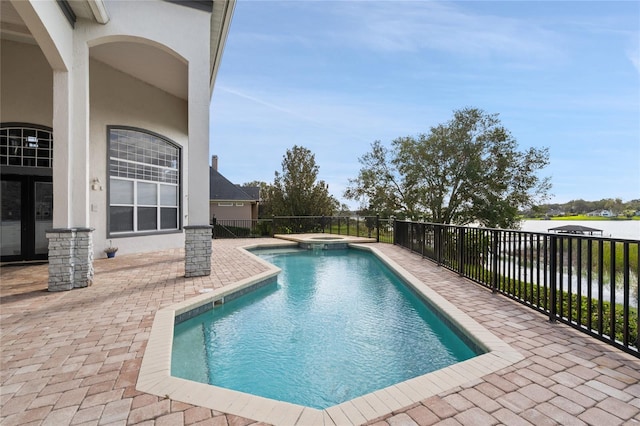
(25,145)
(144,182)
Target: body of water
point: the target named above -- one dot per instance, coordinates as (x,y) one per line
(629,229)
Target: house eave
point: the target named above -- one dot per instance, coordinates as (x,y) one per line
(220,23)
(99,11)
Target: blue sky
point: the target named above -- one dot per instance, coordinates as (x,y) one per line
(334,76)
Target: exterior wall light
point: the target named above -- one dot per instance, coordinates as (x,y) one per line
(96,185)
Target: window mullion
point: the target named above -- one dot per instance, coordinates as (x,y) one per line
(135,207)
(158,203)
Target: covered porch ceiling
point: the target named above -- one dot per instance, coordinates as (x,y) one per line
(170,74)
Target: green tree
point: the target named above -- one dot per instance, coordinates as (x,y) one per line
(296,191)
(380,187)
(466,170)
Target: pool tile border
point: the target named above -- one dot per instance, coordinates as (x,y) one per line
(155,372)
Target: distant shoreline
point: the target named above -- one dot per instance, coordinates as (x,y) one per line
(584,217)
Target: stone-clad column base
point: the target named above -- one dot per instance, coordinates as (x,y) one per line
(83,255)
(197,251)
(70,258)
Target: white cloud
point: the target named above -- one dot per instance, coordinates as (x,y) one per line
(415,26)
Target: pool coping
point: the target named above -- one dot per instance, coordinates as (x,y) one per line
(155,372)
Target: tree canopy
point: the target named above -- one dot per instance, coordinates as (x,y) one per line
(297,191)
(466,170)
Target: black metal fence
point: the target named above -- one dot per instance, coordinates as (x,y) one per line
(357,226)
(590,283)
(241,228)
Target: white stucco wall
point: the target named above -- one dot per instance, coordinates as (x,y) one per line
(119,99)
(230,212)
(26,84)
(81,97)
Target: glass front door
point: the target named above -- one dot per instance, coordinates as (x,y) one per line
(43,198)
(26,213)
(10,218)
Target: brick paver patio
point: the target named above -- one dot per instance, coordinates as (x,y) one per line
(73,357)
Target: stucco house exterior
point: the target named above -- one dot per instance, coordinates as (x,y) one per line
(104,129)
(602,213)
(229,201)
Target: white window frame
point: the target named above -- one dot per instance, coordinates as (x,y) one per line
(116,164)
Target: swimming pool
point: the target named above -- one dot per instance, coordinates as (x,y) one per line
(338,324)
(155,371)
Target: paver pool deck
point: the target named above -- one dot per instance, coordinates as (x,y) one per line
(73,357)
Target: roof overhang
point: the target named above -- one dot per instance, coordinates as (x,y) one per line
(220,23)
(94,10)
(99,11)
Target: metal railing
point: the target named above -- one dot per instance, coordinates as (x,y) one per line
(241,228)
(357,226)
(590,283)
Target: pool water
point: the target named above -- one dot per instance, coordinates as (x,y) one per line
(338,324)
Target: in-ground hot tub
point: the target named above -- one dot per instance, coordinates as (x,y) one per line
(324,241)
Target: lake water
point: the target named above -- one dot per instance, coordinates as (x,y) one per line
(629,229)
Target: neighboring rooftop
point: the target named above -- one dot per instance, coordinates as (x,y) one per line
(575,229)
(221,188)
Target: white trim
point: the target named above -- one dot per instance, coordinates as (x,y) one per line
(99,11)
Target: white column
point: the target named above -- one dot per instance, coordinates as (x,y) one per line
(70,242)
(80,135)
(62,149)
(198,230)
(198,160)
(71,142)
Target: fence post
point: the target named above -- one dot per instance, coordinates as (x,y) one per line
(627,266)
(410,236)
(553,266)
(395,231)
(438,244)
(461,251)
(495,247)
(377,228)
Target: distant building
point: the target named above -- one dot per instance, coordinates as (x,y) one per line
(228,201)
(601,213)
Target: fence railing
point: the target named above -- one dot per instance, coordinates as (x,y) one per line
(590,283)
(357,226)
(241,228)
